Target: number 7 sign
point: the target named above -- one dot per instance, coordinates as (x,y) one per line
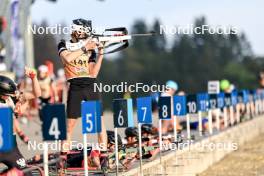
(144,110)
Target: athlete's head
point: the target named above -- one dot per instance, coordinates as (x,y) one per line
(111,140)
(171,87)
(7,87)
(43,71)
(61,73)
(147,130)
(131,135)
(81,29)
(225,85)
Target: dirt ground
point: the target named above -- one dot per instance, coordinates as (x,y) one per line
(248,160)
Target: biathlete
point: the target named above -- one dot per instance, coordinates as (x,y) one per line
(167,125)
(81,68)
(19,102)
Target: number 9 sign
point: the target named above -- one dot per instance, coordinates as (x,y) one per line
(123,113)
(144,110)
(6,129)
(179,103)
(91,117)
(54,123)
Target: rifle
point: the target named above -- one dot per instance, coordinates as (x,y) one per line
(117,37)
(130,150)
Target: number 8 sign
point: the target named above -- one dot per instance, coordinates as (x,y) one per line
(123,113)
(91,117)
(54,122)
(144,110)
(165,108)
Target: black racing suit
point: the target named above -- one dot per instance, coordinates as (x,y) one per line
(14,159)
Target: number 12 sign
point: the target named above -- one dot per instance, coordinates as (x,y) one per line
(54,123)
(91,117)
(144,110)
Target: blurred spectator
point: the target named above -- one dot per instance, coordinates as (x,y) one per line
(3,66)
(47,86)
(61,84)
(3,24)
(261,79)
(50,66)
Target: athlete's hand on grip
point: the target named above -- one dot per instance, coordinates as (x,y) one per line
(90,45)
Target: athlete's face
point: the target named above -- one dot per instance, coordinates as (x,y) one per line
(145,135)
(111,147)
(42,74)
(131,140)
(79,35)
(171,91)
(261,82)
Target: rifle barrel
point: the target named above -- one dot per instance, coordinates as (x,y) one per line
(141,35)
